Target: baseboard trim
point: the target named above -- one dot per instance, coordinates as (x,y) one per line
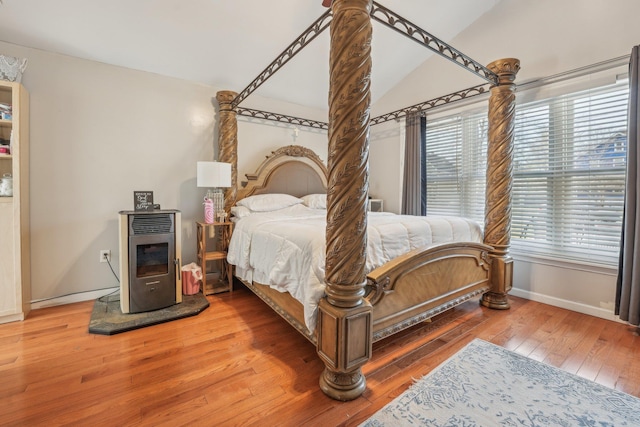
(69,299)
(11,318)
(600,312)
(533,296)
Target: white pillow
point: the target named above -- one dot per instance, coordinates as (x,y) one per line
(315,201)
(240,211)
(268,202)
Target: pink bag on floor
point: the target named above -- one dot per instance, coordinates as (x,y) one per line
(191,278)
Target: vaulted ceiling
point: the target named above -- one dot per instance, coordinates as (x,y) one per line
(226,43)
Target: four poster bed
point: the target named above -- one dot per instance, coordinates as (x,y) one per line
(359,302)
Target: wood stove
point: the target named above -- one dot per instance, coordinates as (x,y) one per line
(150,276)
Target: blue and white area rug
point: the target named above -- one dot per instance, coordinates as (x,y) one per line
(487,385)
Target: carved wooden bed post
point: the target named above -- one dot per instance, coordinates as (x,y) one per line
(228,143)
(497,228)
(344,330)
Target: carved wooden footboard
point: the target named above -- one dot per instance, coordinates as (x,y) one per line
(422,283)
(407,290)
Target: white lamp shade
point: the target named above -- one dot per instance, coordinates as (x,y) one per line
(213,174)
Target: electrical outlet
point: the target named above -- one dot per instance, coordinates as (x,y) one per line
(105,255)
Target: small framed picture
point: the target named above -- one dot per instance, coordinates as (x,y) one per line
(143,200)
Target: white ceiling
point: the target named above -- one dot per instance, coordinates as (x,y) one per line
(225,43)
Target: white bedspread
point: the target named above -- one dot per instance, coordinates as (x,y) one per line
(285,249)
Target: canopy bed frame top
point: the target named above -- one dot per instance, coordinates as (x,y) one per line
(359,308)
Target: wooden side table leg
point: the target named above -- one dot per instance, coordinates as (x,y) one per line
(202,250)
(226,236)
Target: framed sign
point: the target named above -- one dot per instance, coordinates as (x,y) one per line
(143,200)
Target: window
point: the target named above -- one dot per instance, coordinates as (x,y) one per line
(569,170)
(455,172)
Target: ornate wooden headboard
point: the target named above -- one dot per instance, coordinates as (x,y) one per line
(293,169)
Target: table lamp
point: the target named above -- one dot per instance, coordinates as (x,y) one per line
(214,176)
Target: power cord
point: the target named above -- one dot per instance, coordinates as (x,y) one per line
(35,301)
(114,273)
(105,298)
(101,299)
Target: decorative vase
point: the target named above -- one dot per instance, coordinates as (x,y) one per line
(209,211)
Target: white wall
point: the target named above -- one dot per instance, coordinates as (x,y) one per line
(549,37)
(386,157)
(258,138)
(582,288)
(98,133)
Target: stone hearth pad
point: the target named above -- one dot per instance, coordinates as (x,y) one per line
(108,319)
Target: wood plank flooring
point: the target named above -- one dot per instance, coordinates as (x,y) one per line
(239,363)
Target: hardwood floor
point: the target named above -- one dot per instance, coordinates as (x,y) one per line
(238,363)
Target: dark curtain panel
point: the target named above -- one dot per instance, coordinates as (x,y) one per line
(628,285)
(423,164)
(413,179)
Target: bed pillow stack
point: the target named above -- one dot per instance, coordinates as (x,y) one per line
(276,201)
(315,201)
(263,203)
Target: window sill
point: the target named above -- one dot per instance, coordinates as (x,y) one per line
(565,263)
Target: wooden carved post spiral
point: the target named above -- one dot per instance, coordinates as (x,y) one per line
(344,313)
(497,228)
(228,143)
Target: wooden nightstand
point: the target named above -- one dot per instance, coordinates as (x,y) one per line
(219,243)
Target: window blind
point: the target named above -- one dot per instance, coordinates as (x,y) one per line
(455,154)
(569,169)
